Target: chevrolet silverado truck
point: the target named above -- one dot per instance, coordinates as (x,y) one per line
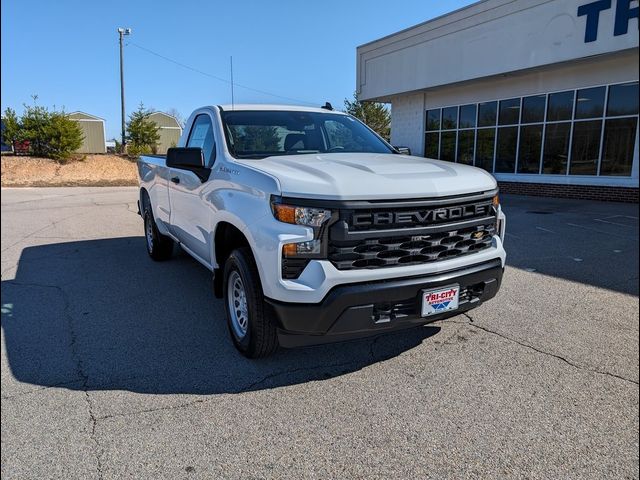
(316,229)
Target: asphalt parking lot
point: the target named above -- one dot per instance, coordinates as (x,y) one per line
(115,366)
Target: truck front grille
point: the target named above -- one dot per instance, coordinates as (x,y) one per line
(386,245)
(393,251)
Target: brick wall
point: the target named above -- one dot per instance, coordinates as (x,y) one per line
(586,192)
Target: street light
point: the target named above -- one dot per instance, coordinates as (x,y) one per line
(121,33)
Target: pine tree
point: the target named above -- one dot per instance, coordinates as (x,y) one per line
(142,133)
(11,130)
(375,115)
(64,136)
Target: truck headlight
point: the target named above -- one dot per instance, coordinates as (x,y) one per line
(307,216)
(499,218)
(297,255)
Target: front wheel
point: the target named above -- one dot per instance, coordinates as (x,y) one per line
(251,321)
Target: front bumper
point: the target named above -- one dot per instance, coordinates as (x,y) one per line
(320,277)
(363,309)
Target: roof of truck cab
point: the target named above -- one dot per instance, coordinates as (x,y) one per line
(285,108)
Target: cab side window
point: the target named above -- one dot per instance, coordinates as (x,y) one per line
(201,135)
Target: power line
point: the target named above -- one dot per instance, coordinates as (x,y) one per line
(220,79)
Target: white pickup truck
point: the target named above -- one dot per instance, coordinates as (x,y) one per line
(316,229)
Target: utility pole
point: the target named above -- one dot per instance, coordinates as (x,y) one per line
(121,33)
(232,102)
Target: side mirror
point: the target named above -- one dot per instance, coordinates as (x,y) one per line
(185,158)
(403,150)
(188,158)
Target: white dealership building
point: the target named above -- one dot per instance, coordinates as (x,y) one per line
(542,93)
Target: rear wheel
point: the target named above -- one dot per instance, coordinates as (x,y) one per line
(159,247)
(251,321)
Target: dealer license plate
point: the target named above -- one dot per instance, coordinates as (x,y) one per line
(440,300)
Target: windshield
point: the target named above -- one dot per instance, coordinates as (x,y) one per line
(259,134)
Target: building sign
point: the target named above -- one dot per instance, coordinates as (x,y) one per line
(624,13)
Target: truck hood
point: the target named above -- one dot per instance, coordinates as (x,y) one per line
(364,176)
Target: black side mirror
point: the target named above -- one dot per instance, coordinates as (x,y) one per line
(188,158)
(403,150)
(185,158)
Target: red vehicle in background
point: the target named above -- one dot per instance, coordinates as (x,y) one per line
(22,148)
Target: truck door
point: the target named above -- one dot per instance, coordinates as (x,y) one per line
(190,214)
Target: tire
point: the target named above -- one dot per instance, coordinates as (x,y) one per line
(159,247)
(252,322)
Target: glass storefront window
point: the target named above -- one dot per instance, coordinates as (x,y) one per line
(533,108)
(556,148)
(585,131)
(506,149)
(619,144)
(449,118)
(448,146)
(466,143)
(590,102)
(585,148)
(468,116)
(433,119)
(484,148)
(487,114)
(431,145)
(509,112)
(530,147)
(560,106)
(623,100)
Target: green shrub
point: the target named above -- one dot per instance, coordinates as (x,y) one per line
(142,133)
(51,134)
(134,150)
(64,136)
(11,130)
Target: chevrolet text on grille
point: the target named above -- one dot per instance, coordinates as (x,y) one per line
(421,216)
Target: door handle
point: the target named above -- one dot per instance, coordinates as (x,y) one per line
(175,180)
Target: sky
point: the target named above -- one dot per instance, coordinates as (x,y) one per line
(66,52)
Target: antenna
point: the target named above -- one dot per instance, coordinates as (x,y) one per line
(231,59)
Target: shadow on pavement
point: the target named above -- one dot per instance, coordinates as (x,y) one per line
(101,315)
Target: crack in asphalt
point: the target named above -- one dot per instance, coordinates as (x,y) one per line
(77,206)
(72,249)
(83,377)
(49,225)
(180,406)
(253,385)
(80,369)
(54,196)
(544,352)
(249,388)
